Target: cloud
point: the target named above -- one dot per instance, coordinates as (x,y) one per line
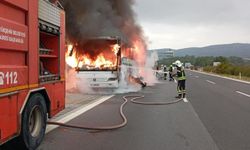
(181,36)
(193,11)
(183,23)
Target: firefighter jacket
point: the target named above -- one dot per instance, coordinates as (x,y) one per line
(170,69)
(164,69)
(181,74)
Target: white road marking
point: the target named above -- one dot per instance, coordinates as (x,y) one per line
(210,82)
(242,93)
(215,75)
(185,100)
(75,113)
(196,76)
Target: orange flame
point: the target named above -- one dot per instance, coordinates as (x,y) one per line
(115,48)
(139,52)
(100,62)
(71,60)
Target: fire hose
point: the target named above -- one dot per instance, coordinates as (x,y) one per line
(113,127)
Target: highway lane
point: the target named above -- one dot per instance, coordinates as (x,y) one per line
(216,116)
(224,108)
(173,127)
(222,82)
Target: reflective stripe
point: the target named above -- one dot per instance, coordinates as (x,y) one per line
(178,89)
(22,87)
(182,78)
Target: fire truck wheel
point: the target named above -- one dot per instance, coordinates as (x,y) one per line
(34,119)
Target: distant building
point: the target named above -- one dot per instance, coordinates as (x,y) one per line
(216,64)
(246,59)
(162,53)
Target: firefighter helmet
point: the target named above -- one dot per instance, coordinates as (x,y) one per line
(178,63)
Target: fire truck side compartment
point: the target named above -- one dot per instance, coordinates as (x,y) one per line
(20,59)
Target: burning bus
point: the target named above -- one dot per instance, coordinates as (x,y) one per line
(96,61)
(100,57)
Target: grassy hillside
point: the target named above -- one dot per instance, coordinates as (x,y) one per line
(236,49)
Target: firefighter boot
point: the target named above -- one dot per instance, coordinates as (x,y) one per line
(179,96)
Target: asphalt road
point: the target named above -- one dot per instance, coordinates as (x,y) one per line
(172,127)
(224,108)
(216,116)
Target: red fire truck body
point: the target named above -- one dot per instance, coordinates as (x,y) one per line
(32,62)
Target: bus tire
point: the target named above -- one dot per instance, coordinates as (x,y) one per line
(34,119)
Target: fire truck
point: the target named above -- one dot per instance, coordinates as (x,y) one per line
(32,62)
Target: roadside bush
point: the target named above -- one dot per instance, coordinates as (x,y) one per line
(209,69)
(245,71)
(229,65)
(226,68)
(223,68)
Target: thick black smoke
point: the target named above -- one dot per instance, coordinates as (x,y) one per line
(92,18)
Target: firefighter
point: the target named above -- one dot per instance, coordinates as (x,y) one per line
(157,72)
(181,78)
(165,72)
(170,69)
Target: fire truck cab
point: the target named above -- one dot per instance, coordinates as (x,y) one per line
(32,61)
